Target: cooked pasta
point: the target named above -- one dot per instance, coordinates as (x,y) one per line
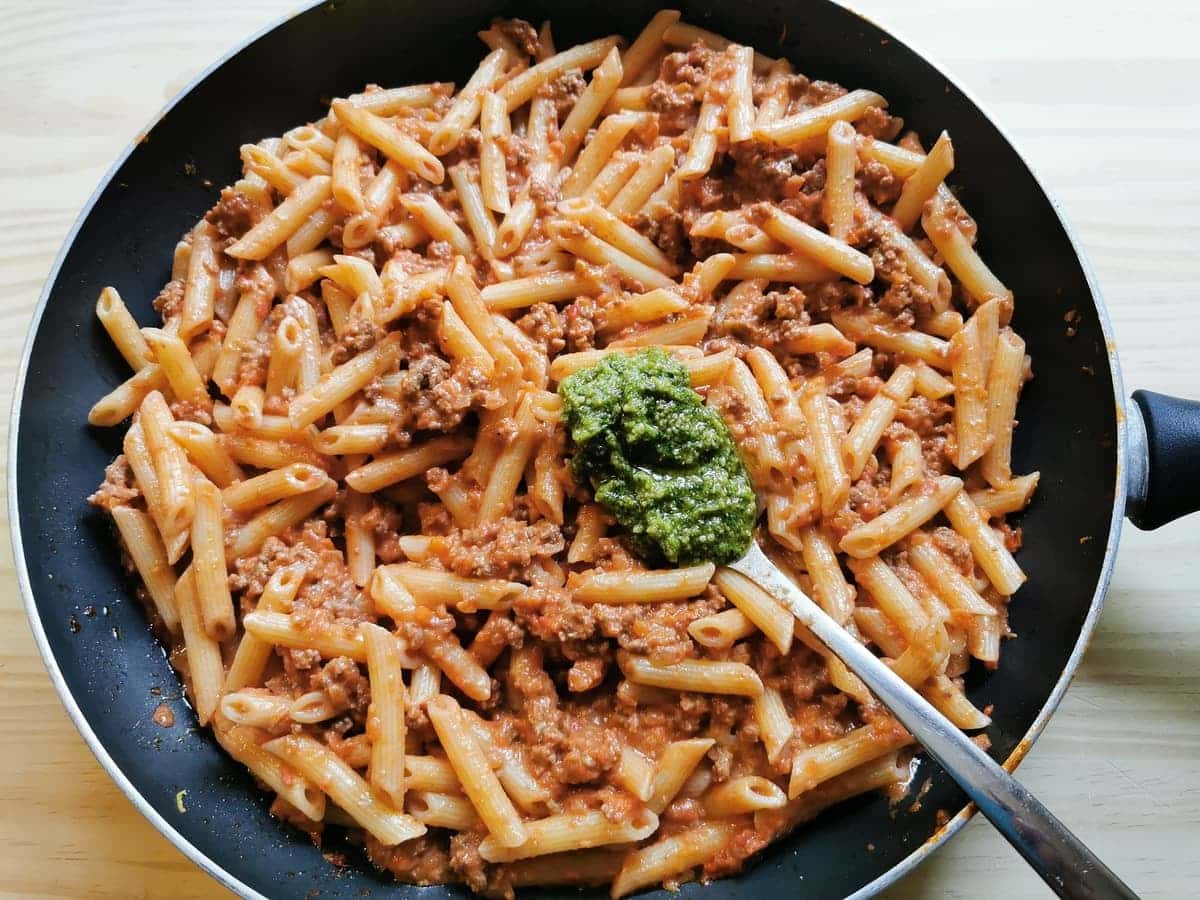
(347,486)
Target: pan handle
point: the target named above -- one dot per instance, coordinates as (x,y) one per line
(1164,459)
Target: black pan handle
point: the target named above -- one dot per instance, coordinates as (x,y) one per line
(1164,459)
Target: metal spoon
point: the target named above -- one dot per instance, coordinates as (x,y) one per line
(1065,864)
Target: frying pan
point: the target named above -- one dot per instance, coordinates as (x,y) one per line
(1098,456)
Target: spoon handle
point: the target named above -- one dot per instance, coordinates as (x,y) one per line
(1058,856)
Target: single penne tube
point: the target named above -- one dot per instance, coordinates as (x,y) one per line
(544,287)
(346,788)
(640,587)
(816,121)
(931,384)
(347,440)
(272,446)
(208,562)
(652,170)
(205,667)
(914,510)
(830,588)
(475,774)
(433,218)
(494,129)
(618,170)
(176,364)
(945,578)
(170,464)
(451,811)
(279,629)
(283,221)
(876,416)
(311,708)
(703,147)
(509,466)
(389,140)
(475,210)
(634,773)
(1004,388)
(822,248)
(986,546)
(309,137)
(389,101)
(307,163)
(463,671)
(460,343)
(200,288)
(577,240)
(247,406)
(862,328)
(760,607)
(720,631)
(605,79)
(347,183)
(841,161)
(123,329)
(561,833)
(944,324)
(636,308)
(671,856)
(567,364)
(779,267)
(276,519)
(649,41)
(775,726)
(260,162)
(832,479)
(466,106)
(821,762)
(430,773)
(385,717)
(433,587)
(701,676)
(970,353)
(688,330)
(312,232)
(776,93)
(597,152)
(1009,497)
(675,765)
(401,465)
(923,183)
(252,654)
(255,708)
(125,399)
(952,703)
(610,229)
(745,794)
(891,595)
(342,383)
(960,257)
(359,537)
(145,548)
(520,89)
(739,106)
(242,743)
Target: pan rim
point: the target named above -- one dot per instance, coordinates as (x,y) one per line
(216,870)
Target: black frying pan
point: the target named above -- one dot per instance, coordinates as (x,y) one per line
(112,673)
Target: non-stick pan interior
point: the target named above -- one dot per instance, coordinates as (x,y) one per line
(93,625)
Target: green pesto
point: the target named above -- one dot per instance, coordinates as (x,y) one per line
(659,460)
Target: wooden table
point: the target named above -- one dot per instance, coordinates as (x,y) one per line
(1100,96)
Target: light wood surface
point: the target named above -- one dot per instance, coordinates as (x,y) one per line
(1100,96)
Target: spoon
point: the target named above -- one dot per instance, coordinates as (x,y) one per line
(1058,856)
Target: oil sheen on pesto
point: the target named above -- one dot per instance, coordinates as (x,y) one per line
(659,460)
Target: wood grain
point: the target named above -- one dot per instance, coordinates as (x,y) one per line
(1099,95)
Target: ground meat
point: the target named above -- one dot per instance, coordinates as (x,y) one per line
(423,860)
(118,488)
(876,123)
(504,549)
(358,336)
(564,91)
(879,184)
(585,674)
(169,302)
(233,215)
(956,547)
(544,325)
(432,395)
(520,32)
(345,686)
(591,750)
(580,331)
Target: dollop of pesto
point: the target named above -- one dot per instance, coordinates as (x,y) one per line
(659,460)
